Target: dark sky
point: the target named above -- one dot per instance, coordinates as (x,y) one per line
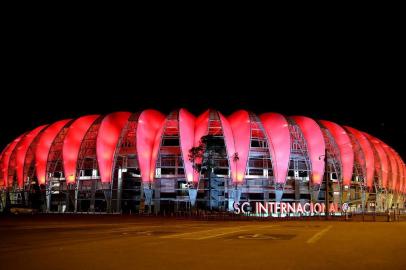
(351,85)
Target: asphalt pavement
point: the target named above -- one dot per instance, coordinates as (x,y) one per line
(130,242)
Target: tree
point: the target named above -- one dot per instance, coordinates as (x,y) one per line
(203,156)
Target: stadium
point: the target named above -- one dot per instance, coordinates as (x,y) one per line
(148,162)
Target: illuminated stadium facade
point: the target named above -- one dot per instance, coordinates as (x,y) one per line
(149,162)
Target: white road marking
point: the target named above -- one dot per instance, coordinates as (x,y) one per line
(318,235)
(180,235)
(219,234)
(213,233)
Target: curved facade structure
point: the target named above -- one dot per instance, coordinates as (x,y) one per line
(125,161)
(276,128)
(343,142)
(43,148)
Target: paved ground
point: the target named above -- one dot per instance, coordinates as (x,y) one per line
(106,242)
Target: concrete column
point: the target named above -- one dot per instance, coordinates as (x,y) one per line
(148,192)
(389,200)
(192,196)
(266,195)
(93,194)
(119,189)
(76,196)
(48,198)
(278,195)
(297,190)
(315,190)
(157,197)
(234,197)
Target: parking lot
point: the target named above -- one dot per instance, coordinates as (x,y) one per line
(114,242)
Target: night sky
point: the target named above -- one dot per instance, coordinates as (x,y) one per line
(349,89)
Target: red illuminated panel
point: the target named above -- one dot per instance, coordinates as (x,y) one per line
(107,140)
(402,173)
(43,147)
(149,126)
(2,152)
(5,159)
(404,178)
(240,125)
(343,142)
(187,136)
(1,165)
(368,154)
(277,130)
(71,145)
(315,145)
(201,126)
(402,189)
(201,129)
(155,150)
(403,183)
(399,181)
(21,153)
(230,146)
(393,172)
(383,159)
(394,165)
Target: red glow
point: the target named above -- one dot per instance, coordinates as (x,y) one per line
(368,154)
(107,139)
(343,142)
(201,126)
(402,190)
(230,146)
(155,150)
(315,145)
(71,145)
(5,159)
(240,126)
(399,181)
(201,129)
(383,159)
(393,167)
(43,147)
(22,149)
(149,132)
(404,178)
(277,130)
(187,135)
(36,145)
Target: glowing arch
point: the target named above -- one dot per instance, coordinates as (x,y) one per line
(399,182)
(404,178)
(186,136)
(277,131)
(201,129)
(383,159)
(71,145)
(368,154)
(393,166)
(230,146)
(43,147)
(21,153)
(315,144)
(148,133)
(5,159)
(343,142)
(107,140)
(240,126)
